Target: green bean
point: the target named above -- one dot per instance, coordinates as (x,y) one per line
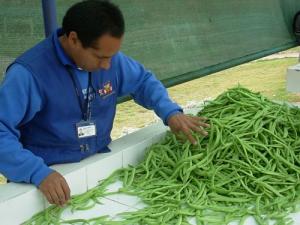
(249,165)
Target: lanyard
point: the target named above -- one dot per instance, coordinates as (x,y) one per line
(85,106)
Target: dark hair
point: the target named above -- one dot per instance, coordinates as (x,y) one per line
(91,19)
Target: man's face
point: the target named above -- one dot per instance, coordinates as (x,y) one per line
(98,56)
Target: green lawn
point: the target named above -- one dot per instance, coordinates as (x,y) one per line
(267,77)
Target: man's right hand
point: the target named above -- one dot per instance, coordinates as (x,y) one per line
(55,189)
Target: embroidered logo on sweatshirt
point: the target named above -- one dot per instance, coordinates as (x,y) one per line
(106,90)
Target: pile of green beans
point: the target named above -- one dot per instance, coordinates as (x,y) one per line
(248,165)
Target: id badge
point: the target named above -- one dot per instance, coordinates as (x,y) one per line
(86,129)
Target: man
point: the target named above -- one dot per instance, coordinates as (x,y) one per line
(58,99)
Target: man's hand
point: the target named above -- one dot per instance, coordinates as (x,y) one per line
(55,189)
(186,124)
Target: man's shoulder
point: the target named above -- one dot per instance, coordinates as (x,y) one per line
(121,57)
(37,51)
(18,71)
(17,67)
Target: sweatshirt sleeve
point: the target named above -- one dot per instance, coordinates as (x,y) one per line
(145,89)
(20,100)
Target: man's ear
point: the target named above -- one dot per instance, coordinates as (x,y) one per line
(73,38)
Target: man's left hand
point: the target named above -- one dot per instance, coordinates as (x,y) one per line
(186,124)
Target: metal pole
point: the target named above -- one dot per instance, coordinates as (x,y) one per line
(49,13)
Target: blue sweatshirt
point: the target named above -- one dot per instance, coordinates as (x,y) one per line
(22,101)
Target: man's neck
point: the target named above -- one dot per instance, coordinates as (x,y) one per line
(64,44)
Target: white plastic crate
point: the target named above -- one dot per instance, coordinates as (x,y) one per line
(293,79)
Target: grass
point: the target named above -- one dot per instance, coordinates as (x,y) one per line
(267,77)
(2,179)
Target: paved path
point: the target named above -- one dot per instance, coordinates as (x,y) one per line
(281,56)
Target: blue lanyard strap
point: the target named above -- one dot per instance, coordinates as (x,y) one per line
(85,107)
(89,99)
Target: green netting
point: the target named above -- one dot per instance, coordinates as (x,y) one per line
(22,26)
(184,39)
(177,39)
